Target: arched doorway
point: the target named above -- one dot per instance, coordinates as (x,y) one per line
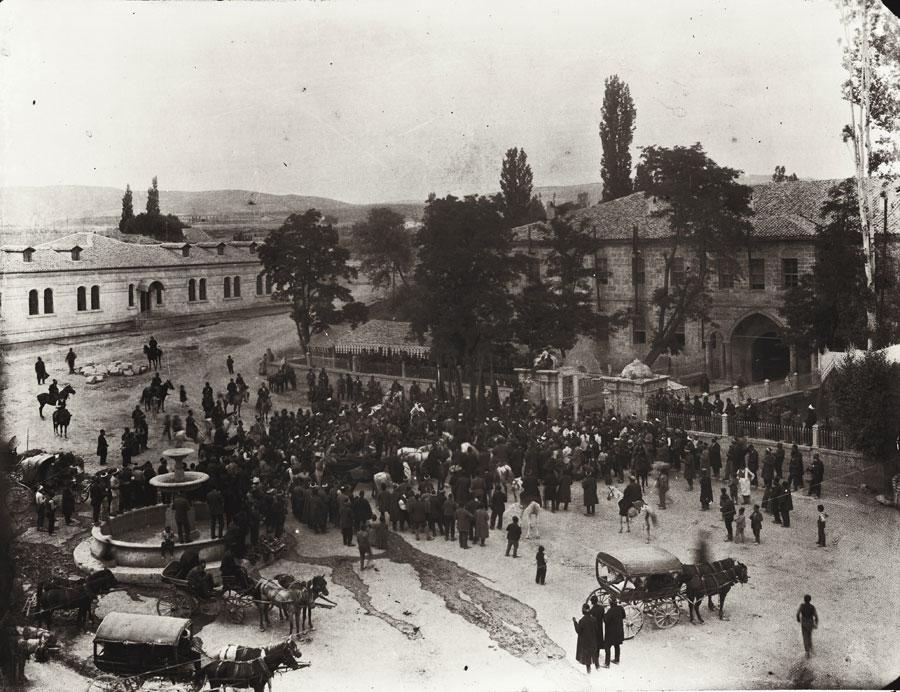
(758,350)
(151,295)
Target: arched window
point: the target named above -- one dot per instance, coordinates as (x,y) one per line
(259,284)
(192,291)
(237,287)
(227,287)
(268,284)
(48,301)
(202,289)
(33,306)
(95,297)
(159,290)
(81,299)
(131,295)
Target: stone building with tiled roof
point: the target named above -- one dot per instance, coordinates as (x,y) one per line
(744,338)
(88,283)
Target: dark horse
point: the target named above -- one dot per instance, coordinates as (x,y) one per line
(710,578)
(305,595)
(255,674)
(57,595)
(154,355)
(45,398)
(61,419)
(159,393)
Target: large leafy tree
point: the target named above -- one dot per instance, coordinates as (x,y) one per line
(708,216)
(386,247)
(864,392)
(616,134)
(310,270)
(463,282)
(127,208)
(828,307)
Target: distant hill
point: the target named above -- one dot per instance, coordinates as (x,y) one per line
(79,204)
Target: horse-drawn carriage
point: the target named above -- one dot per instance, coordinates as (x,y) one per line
(37,468)
(140,651)
(650,582)
(182,602)
(646,581)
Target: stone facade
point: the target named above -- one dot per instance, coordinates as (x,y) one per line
(744,337)
(96,284)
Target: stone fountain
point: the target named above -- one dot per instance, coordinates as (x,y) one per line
(179,480)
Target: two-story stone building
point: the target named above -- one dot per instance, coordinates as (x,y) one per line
(88,283)
(744,337)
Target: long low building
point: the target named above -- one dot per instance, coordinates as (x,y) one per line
(87,283)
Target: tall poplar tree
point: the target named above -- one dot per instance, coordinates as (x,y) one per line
(153,199)
(515,187)
(616,134)
(127,209)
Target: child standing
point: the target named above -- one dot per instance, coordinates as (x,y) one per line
(756,521)
(541,559)
(739,523)
(821,525)
(363,542)
(168,542)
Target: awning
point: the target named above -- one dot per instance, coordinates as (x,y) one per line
(142,629)
(640,560)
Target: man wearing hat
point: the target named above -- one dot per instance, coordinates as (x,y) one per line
(587,648)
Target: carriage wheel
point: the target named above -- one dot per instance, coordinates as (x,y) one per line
(176,605)
(634,619)
(602,597)
(666,614)
(235,603)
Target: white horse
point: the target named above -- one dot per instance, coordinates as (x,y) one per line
(412,458)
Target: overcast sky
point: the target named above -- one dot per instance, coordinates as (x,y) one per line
(388,101)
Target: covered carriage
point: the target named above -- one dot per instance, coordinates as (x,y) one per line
(181,601)
(133,650)
(38,468)
(645,580)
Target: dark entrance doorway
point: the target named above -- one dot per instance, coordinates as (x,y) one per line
(758,351)
(771,358)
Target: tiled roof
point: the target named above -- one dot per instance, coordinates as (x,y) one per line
(376,334)
(782,210)
(101,252)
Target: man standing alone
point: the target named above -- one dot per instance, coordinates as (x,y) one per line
(40,370)
(726,506)
(809,620)
(70,359)
(102,447)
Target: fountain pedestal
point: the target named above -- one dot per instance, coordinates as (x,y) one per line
(178,481)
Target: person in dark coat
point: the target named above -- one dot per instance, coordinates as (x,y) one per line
(564,490)
(513,534)
(706,493)
(689,467)
(817,472)
(613,629)
(102,447)
(785,504)
(40,369)
(464,519)
(181,505)
(586,649)
(726,507)
(68,503)
(216,504)
(589,486)
(498,507)
(597,612)
(715,457)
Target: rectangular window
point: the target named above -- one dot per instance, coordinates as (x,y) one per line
(757,274)
(726,273)
(601,270)
(637,271)
(790,273)
(676,273)
(638,329)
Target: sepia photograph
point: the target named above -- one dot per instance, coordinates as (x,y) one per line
(422,347)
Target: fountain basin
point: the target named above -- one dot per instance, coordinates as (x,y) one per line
(168,482)
(132,539)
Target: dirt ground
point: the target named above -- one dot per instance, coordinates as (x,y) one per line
(434,616)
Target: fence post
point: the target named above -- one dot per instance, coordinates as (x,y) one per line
(767,387)
(724,425)
(796,381)
(815,435)
(353,363)
(403,368)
